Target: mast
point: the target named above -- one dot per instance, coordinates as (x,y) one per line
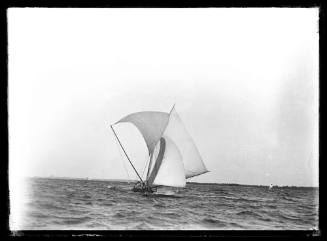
(125,153)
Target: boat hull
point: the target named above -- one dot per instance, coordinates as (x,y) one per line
(144,188)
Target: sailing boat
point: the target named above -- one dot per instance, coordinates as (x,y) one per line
(173,156)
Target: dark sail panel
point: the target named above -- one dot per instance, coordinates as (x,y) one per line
(158,162)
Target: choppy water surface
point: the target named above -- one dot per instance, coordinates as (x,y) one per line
(90,204)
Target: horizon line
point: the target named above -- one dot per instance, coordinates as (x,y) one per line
(131,180)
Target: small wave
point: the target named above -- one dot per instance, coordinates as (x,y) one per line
(108,204)
(170,214)
(166,196)
(97,225)
(51,206)
(69,189)
(242,199)
(39,215)
(288,199)
(159,205)
(248,200)
(248,213)
(119,215)
(265,219)
(236,225)
(220,191)
(271,206)
(86,196)
(287,217)
(119,188)
(214,222)
(79,220)
(112,187)
(142,226)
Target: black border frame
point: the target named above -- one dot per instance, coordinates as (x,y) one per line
(4,164)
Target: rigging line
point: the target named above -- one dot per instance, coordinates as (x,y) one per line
(145,167)
(172,108)
(125,153)
(123,160)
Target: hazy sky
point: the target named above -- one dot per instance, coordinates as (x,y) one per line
(245,83)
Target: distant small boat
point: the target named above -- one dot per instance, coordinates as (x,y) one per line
(271,186)
(173,156)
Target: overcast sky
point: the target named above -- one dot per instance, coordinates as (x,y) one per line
(245,83)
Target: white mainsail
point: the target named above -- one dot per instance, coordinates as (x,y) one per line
(173,154)
(177,132)
(171,170)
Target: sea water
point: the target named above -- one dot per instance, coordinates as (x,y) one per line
(71,204)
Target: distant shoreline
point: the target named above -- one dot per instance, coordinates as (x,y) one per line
(197,183)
